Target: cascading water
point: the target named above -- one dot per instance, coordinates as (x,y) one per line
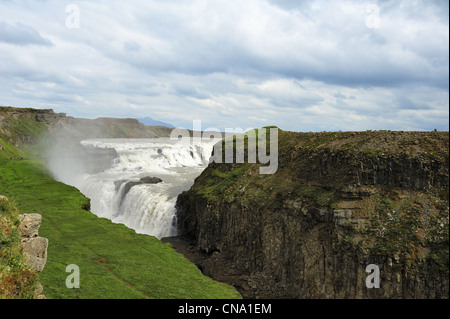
(126,192)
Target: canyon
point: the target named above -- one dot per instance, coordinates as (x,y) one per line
(338,202)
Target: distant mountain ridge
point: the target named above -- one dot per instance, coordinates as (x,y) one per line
(151,122)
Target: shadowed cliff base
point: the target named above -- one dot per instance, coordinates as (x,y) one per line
(338,202)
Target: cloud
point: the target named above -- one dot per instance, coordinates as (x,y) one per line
(302,65)
(20,34)
(329,42)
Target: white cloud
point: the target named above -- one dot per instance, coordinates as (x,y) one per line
(309,65)
(22,35)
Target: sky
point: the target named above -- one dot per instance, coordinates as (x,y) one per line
(299,65)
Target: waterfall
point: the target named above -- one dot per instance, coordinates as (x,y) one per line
(125,193)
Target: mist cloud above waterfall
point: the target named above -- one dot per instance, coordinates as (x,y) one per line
(301,65)
(66,161)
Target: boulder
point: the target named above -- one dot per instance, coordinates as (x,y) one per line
(150,180)
(35,252)
(34,247)
(29,225)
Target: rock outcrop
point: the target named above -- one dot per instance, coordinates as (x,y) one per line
(25,250)
(34,247)
(24,125)
(129,184)
(338,203)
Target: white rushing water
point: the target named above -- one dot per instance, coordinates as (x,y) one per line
(146,208)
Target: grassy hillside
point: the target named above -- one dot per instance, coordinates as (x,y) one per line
(114,261)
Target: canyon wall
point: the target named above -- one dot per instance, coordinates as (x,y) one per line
(337,203)
(22,126)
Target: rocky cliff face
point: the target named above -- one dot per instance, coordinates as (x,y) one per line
(337,203)
(34,247)
(22,126)
(23,254)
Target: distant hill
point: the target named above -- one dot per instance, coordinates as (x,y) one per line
(151,122)
(22,126)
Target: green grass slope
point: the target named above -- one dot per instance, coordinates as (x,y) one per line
(114,261)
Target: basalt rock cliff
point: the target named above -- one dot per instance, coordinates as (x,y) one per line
(338,202)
